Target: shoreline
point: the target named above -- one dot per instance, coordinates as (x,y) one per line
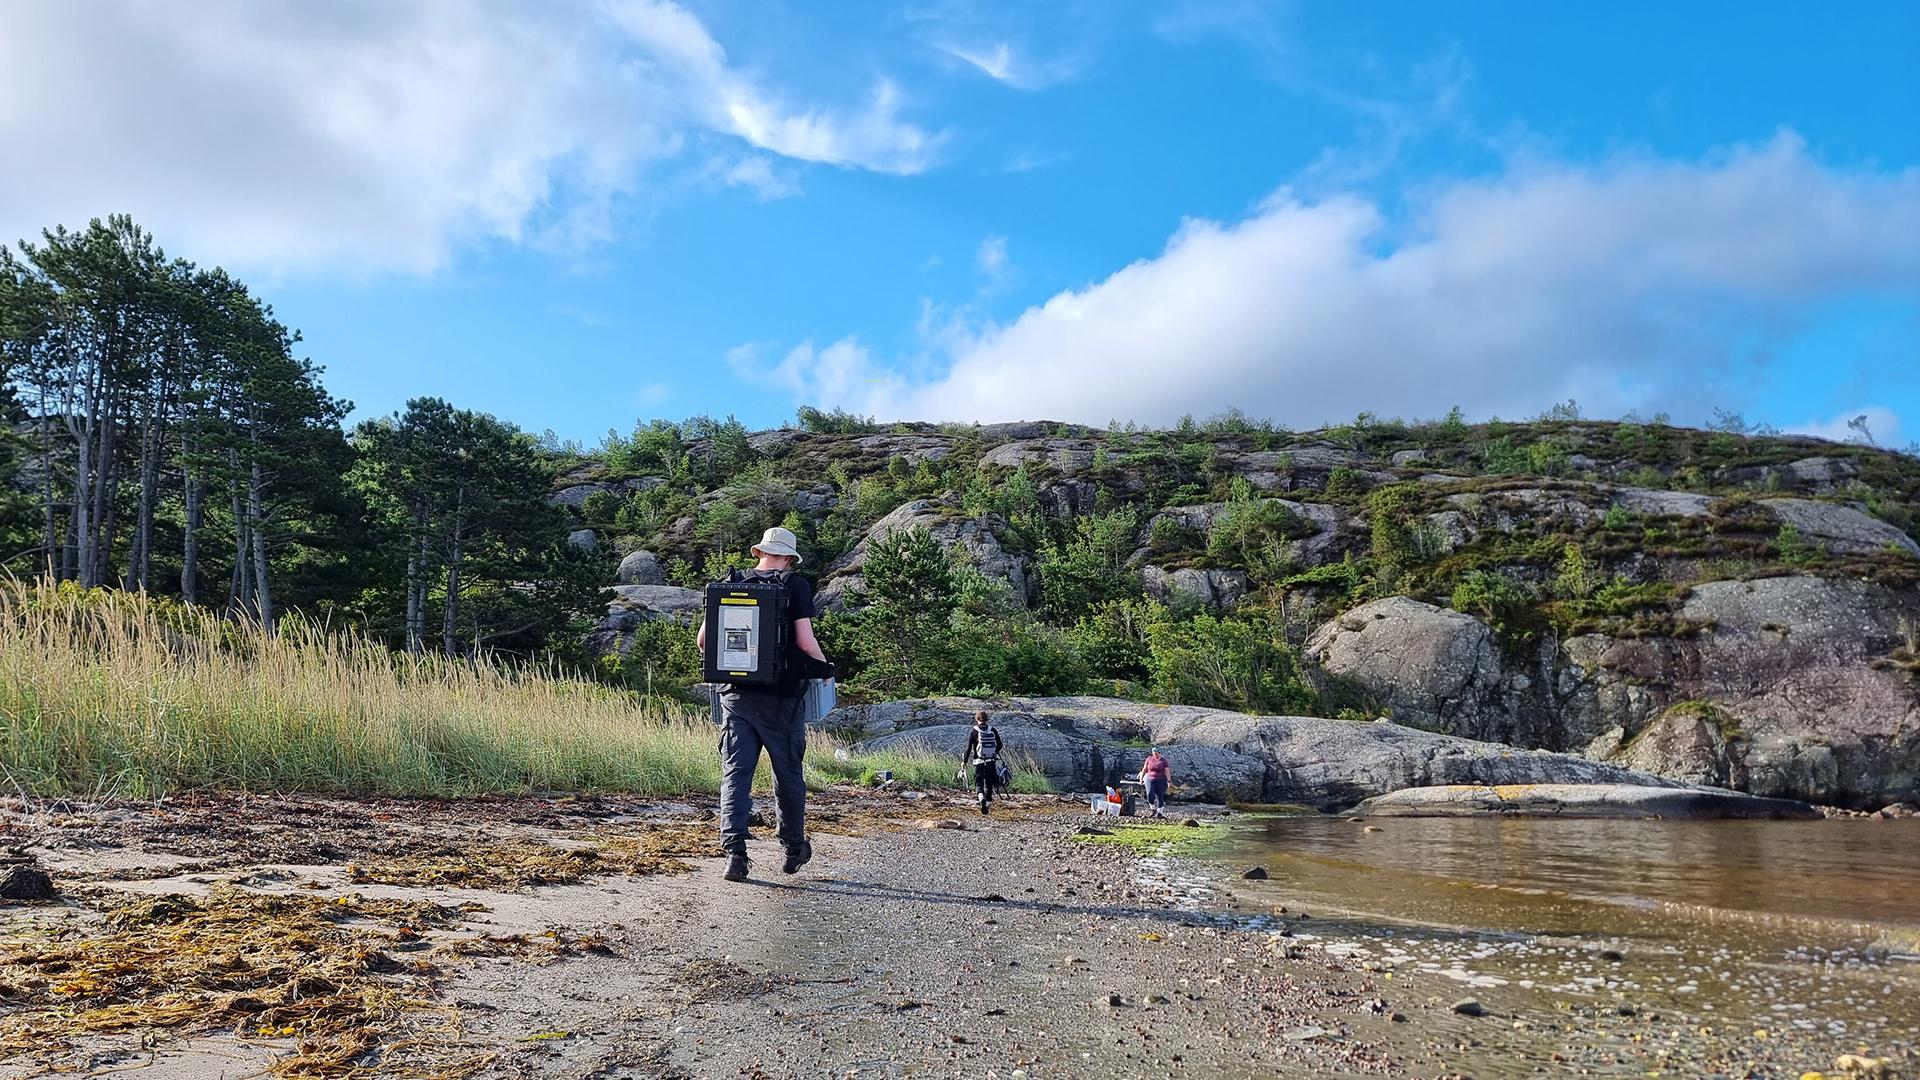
(1006,946)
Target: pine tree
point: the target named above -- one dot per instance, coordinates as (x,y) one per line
(905,628)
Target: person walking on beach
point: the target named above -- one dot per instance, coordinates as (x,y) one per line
(753,718)
(1155,775)
(983,753)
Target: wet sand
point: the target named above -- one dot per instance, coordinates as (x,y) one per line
(1006,947)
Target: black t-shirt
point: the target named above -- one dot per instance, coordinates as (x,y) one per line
(799,597)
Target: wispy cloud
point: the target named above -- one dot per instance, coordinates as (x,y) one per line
(382,137)
(1001,61)
(1873,424)
(758,175)
(576,313)
(992,256)
(1021,163)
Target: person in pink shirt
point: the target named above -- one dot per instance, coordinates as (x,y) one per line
(1155,775)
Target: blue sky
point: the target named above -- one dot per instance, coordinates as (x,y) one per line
(573,216)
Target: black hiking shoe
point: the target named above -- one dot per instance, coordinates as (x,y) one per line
(737,865)
(798,857)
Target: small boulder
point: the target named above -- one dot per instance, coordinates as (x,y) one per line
(1255,873)
(642,568)
(1469,1007)
(584,539)
(1214,589)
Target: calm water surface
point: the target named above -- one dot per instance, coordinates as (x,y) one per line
(1803,937)
(1808,872)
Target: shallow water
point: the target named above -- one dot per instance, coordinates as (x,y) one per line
(1791,872)
(1802,936)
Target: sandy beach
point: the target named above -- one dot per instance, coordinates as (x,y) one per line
(591,937)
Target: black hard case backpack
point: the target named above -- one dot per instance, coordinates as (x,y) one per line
(748,630)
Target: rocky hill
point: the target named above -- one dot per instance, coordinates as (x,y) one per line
(1710,606)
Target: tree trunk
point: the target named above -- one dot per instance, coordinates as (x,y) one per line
(80,521)
(416,628)
(140,560)
(196,492)
(106,519)
(102,496)
(450,628)
(256,524)
(69,551)
(240,597)
(52,553)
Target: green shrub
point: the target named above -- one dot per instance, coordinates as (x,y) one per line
(600,510)
(1170,534)
(1576,579)
(1546,458)
(1227,663)
(1498,602)
(1793,549)
(1630,436)
(835,422)
(1503,457)
(1112,637)
(661,657)
(1345,481)
(1399,538)
(1254,533)
(1346,575)
(1089,567)
(1012,656)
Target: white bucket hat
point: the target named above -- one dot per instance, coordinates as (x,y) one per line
(779,541)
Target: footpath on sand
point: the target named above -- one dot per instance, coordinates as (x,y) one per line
(575,938)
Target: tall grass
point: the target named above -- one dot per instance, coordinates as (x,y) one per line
(112,693)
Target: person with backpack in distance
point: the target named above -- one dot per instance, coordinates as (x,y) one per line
(983,753)
(1154,776)
(758,648)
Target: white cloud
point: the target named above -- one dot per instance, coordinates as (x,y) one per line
(1000,61)
(377,135)
(1882,423)
(1023,163)
(843,371)
(996,60)
(1633,283)
(992,257)
(758,175)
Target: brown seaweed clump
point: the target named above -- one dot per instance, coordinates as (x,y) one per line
(350,980)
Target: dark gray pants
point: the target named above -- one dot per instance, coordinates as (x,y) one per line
(751,721)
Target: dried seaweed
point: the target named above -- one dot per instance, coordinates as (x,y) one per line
(520,863)
(334,975)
